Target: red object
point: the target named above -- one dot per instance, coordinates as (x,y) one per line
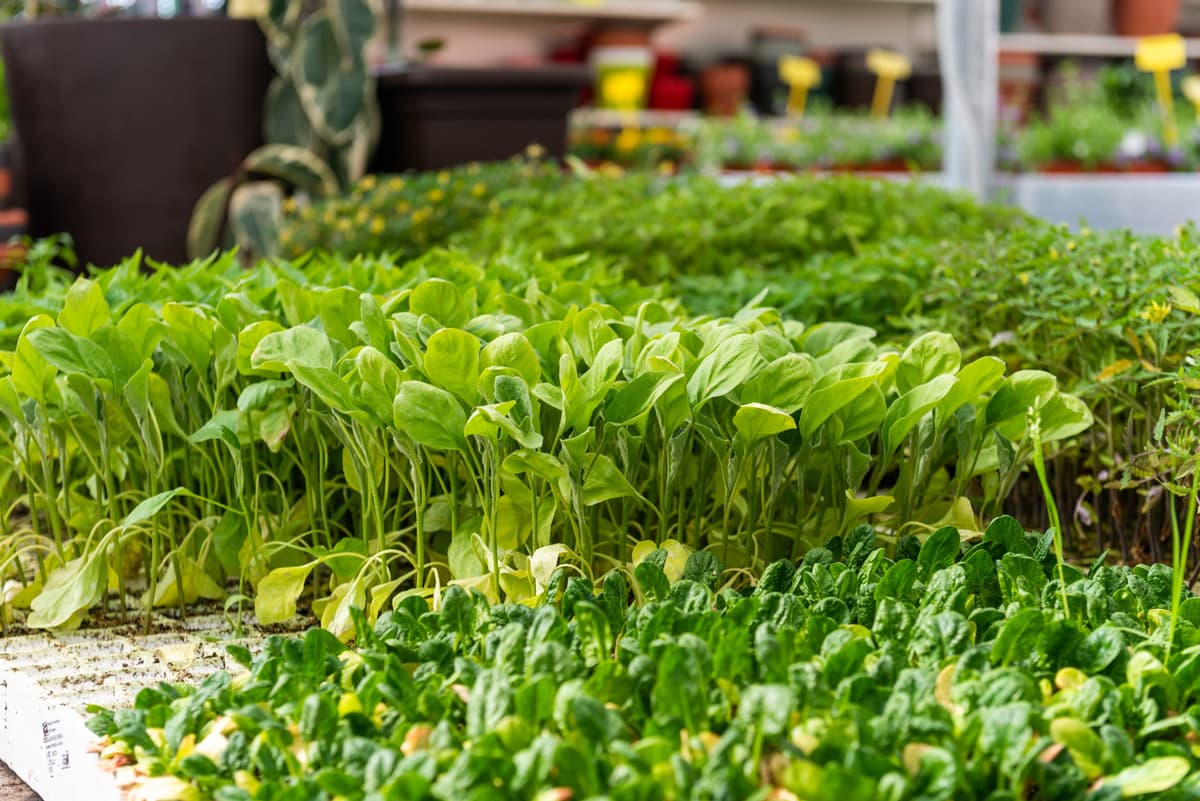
(672,92)
(725,87)
(1145,17)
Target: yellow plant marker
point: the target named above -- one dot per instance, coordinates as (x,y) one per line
(1159,55)
(1191,90)
(800,74)
(889,67)
(625,91)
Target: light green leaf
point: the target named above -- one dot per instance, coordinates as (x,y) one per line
(724,370)
(300,345)
(452,362)
(430,416)
(277,592)
(1155,775)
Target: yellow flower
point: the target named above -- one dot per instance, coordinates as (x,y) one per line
(1156,312)
(289,205)
(478,190)
(396,183)
(660,136)
(377,225)
(1071,244)
(435,195)
(285,235)
(443,177)
(343,224)
(628,139)
(403,207)
(367,182)
(421,215)
(361,216)
(535,151)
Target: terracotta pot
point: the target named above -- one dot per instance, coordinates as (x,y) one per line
(1145,17)
(1146,166)
(1077,16)
(725,87)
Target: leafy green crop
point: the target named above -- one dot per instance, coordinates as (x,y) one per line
(942,672)
(278,427)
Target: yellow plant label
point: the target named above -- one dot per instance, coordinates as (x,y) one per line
(888,64)
(1161,53)
(799,71)
(800,74)
(248,9)
(889,67)
(623,89)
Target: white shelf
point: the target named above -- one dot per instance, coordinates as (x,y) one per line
(650,118)
(633,10)
(1072,44)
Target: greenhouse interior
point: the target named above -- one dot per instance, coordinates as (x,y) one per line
(612,400)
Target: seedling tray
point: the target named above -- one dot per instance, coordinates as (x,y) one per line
(47,682)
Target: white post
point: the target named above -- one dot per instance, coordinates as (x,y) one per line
(968,50)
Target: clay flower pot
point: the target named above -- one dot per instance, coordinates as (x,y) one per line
(725,87)
(1145,17)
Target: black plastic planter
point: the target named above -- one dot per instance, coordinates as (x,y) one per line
(120,125)
(439,117)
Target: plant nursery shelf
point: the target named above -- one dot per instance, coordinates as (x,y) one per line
(632,10)
(1070,44)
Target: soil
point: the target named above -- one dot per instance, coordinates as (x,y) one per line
(13,789)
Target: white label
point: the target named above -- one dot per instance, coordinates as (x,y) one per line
(58,757)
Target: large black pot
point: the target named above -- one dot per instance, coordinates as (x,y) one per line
(438,117)
(120,125)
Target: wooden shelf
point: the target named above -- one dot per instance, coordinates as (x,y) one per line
(1072,44)
(632,10)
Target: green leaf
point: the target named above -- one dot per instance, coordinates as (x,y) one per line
(634,401)
(756,421)
(723,370)
(928,356)
(939,551)
(1085,746)
(784,383)
(1155,775)
(299,345)
(208,219)
(441,300)
(71,589)
(73,354)
(512,350)
(766,708)
(152,506)
(1018,639)
(430,416)
(84,309)
(452,362)
(296,166)
(904,414)
(255,214)
(604,482)
(277,592)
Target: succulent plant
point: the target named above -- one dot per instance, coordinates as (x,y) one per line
(321,122)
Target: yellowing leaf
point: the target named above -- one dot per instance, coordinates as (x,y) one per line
(1114,369)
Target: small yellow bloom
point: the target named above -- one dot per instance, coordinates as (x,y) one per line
(1071,245)
(377,225)
(1054,253)
(478,190)
(1023,278)
(367,182)
(628,140)
(361,216)
(421,215)
(403,207)
(343,224)
(443,177)
(396,183)
(1156,312)
(289,205)
(535,151)
(435,195)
